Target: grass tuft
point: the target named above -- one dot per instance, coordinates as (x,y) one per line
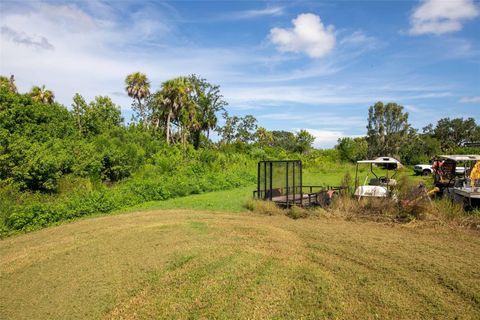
(267,208)
(296,212)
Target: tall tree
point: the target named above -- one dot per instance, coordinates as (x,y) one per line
(454,133)
(283,139)
(79,108)
(172,101)
(246,129)
(387,129)
(352,149)
(420,148)
(137,86)
(101,115)
(229,129)
(8,83)
(304,141)
(13,87)
(208,102)
(241,129)
(264,137)
(40,94)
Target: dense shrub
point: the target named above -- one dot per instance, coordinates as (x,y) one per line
(191,173)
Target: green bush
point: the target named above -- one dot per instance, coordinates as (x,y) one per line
(195,172)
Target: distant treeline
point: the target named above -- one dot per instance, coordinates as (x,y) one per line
(390,134)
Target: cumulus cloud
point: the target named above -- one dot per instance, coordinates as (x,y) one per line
(308,35)
(440,16)
(24,39)
(475,99)
(325,138)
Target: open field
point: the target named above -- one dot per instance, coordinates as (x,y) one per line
(199,264)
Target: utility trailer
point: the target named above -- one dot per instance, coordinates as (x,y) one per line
(464,188)
(281,181)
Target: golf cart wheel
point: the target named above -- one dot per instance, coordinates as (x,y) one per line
(466,205)
(426,172)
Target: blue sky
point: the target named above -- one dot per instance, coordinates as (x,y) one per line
(292,64)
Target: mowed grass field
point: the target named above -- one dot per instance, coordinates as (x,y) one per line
(179,264)
(205,256)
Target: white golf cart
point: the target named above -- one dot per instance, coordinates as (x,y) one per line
(381,184)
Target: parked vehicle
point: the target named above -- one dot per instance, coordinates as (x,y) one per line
(464,188)
(423,169)
(426,169)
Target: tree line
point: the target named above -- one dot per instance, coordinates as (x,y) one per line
(42,141)
(390,134)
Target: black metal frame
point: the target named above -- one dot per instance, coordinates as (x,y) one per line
(295,193)
(268,194)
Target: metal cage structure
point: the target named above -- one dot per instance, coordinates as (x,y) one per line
(281,181)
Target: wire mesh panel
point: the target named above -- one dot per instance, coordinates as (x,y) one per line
(280,181)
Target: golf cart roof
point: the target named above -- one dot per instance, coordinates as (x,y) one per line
(461,157)
(382,160)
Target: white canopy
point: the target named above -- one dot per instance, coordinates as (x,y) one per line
(461,157)
(382,160)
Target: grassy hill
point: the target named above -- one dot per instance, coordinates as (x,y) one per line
(181,263)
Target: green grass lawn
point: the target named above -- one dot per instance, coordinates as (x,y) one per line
(235,200)
(227,201)
(187,264)
(204,256)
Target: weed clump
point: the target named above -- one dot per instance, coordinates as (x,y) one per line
(267,208)
(408,203)
(296,212)
(413,201)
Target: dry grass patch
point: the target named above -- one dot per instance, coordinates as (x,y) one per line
(269,208)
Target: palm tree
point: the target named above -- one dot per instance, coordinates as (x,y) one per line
(8,83)
(208,102)
(174,96)
(13,87)
(264,137)
(40,94)
(137,86)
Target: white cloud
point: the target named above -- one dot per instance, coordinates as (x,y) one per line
(358,38)
(92,55)
(412,108)
(37,42)
(475,99)
(315,118)
(308,36)
(441,16)
(321,95)
(325,138)
(248,14)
